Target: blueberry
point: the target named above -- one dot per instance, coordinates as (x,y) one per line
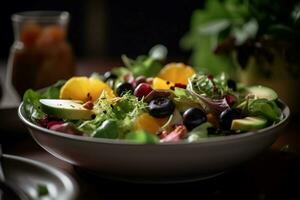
(193,117)
(109,76)
(161,107)
(124,87)
(227,116)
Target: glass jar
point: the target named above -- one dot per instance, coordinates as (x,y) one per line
(40,54)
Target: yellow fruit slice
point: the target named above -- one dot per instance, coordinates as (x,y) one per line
(84,89)
(160,84)
(176,73)
(148,123)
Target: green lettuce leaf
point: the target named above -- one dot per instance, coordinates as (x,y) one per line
(199,132)
(146,65)
(214,88)
(31,100)
(184,100)
(52,92)
(123,111)
(142,137)
(32,106)
(261,107)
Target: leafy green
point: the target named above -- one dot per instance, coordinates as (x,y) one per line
(209,91)
(123,111)
(143,65)
(184,99)
(261,107)
(245,32)
(227,33)
(108,129)
(209,86)
(148,66)
(31,99)
(121,71)
(42,190)
(199,132)
(32,106)
(141,136)
(52,92)
(208,28)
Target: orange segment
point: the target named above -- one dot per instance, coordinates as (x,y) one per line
(176,73)
(160,84)
(84,89)
(148,123)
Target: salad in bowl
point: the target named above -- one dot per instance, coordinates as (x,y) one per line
(149,121)
(147,101)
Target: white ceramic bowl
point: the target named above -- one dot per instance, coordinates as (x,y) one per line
(155,162)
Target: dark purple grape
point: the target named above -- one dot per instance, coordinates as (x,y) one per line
(193,117)
(227,116)
(161,107)
(124,87)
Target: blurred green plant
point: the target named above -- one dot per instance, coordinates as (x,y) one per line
(227,33)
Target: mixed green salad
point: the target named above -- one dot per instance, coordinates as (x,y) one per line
(149,102)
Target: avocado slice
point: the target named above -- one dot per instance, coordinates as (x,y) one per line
(263,92)
(248,124)
(66,109)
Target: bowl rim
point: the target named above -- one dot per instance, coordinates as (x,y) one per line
(283,122)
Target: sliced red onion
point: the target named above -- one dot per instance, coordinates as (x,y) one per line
(213,105)
(65,128)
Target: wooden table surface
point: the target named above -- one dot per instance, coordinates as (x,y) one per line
(274,174)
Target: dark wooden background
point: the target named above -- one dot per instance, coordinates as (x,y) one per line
(111,27)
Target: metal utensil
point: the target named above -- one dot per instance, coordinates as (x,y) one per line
(9,188)
(2,178)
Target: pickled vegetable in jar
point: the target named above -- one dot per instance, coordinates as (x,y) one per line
(41,54)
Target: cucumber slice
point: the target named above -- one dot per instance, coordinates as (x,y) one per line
(248,124)
(263,92)
(66,109)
